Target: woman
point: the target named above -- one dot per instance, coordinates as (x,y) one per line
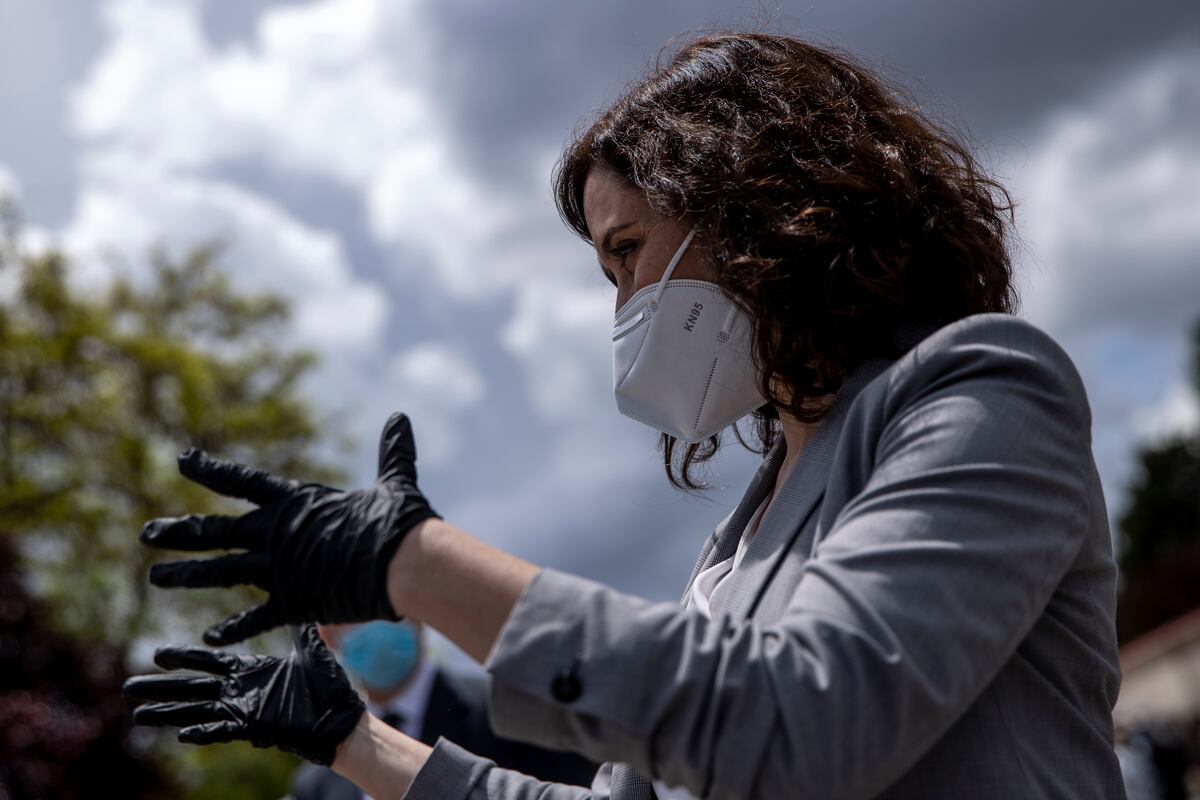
(914,598)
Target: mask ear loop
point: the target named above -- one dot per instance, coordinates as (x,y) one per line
(662,284)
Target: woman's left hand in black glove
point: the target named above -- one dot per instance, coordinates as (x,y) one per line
(321,553)
(303,704)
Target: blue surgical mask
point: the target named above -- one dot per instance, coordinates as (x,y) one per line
(381,654)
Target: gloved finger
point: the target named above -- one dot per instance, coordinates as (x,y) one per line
(171,687)
(195,532)
(250,622)
(175,656)
(232,479)
(231,570)
(303,636)
(177,714)
(212,732)
(312,651)
(397,450)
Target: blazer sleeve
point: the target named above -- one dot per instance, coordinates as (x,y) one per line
(453,773)
(918,593)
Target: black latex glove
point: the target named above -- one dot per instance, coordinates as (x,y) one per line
(321,553)
(303,704)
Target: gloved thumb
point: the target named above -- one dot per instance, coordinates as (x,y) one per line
(397,450)
(306,639)
(310,648)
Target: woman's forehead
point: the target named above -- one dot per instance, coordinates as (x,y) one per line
(609,199)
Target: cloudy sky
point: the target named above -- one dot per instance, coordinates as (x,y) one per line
(386,165)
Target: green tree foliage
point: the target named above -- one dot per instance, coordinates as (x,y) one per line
(1160,545)
(100,388)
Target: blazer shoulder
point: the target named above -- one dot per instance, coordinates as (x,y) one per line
(1001,332)
(994,348)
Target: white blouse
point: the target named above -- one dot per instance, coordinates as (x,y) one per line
(704,589)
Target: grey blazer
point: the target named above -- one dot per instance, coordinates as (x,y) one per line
(926,611)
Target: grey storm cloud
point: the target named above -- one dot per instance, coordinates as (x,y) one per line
(514,75)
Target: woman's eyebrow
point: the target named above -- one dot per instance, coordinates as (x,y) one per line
(606,241)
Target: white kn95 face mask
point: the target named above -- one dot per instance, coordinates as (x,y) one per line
(681,357)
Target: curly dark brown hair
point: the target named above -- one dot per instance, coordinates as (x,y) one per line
(834,210)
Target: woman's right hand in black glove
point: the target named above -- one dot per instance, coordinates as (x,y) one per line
(303,704)
(321,553)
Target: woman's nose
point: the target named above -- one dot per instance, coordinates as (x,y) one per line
(625,291)
(627,287)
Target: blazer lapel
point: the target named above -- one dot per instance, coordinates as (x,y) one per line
(702,559)
(723,542)
(789,510)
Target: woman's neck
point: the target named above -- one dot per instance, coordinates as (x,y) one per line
(795,435)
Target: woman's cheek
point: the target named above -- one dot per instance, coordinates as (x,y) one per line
(647,274)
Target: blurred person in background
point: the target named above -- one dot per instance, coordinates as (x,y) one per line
(408,691)
(914,597)
(1135,752)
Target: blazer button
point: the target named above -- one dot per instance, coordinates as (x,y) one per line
(566,686)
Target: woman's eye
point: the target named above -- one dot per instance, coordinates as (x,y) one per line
(621,251)
(624,249)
